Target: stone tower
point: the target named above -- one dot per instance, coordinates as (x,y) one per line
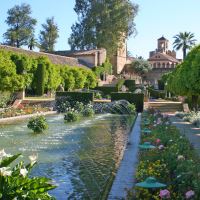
(162,45)
(119,59)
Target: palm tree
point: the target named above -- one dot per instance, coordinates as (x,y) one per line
(184,41)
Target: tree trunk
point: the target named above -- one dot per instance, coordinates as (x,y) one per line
(184,53)
(195,102)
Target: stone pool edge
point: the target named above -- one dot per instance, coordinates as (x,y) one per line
(10,119)
(124,179)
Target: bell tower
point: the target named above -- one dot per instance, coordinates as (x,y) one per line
(162,45)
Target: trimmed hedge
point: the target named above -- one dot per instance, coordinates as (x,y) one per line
(130,84)
(85,97)
(106,90)
(137,99)
(156,94)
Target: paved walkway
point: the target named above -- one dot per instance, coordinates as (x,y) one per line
(124,179)
(192,133)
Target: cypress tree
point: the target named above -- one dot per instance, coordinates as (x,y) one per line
(40,78)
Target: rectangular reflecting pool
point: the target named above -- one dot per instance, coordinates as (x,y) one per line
(80,157)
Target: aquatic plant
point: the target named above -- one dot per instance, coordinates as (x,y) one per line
(37,124)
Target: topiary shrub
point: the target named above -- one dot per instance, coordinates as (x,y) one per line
(37,124)
(71,116)
(130,84)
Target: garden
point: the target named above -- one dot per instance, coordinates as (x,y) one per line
(168,165)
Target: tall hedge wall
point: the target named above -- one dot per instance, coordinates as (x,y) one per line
(137,99)
(106,90)
(130,84)
(85,97)
(156,94)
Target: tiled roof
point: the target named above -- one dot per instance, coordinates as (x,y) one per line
(163,57)
(162,38)
(55,59)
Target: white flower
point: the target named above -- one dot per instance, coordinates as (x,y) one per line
(23,172)
(180,157)
(33,158)
(4,154)
(5,172)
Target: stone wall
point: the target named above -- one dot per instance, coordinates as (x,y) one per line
(55,59)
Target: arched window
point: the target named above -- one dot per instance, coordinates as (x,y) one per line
(154,65)
(172,65)
(158,65)
(163,65)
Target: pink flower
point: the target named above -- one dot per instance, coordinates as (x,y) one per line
(164,194)
(189,194)
(161,147)
(158,141)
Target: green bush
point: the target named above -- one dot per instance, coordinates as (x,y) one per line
(137,99)
(156,94)
(130,84)
(15,182)
(4,99)
(98,95)
(84,97)
(131,108)
(88,112)
(71,116)
(106,90)
(37,124)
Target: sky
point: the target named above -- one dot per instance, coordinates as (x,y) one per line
(155,18)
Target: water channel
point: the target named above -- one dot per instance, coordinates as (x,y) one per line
(80,157)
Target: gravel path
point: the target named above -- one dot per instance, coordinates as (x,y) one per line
(190,131)
(124,179)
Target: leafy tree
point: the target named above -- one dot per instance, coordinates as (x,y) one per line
(79,78)
(91,79)
(185,80)
(32,43)
(103,24)
(9,79)
(184,41)
(48,35)
(67,77)
(21,25)
(140,67)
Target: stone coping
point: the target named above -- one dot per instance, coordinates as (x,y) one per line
(124,179)
(21,117)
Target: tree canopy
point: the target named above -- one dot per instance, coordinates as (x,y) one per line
(184,41)
(140,67)
(21,25)
(185,79)
(49,35)
(102,24)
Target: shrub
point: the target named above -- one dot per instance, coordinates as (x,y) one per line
(156,94)
(136,99)
(71,116)
(4,99)
(131,108)
(72,97)
(37,124)
(79,106)
(98,95)
(106,90)
(15,183)
(88,112)
(130,84)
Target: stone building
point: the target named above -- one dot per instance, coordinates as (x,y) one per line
(91,58)
(162,60)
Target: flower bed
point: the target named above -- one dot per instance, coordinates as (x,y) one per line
(173,162)
(13,112)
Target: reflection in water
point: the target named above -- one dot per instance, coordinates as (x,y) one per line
(81,157)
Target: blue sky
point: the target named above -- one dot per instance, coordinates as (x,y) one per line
(155,18)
